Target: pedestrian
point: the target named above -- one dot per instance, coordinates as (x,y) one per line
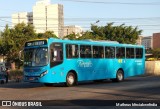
(7,75)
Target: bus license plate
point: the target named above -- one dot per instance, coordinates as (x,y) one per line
(31,78)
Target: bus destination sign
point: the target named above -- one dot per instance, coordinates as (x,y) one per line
(36,43)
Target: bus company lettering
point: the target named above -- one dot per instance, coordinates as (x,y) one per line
(81,63)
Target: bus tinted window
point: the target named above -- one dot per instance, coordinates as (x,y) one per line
(120,52)
(98,52)
(129,52)
(71,51)
(56,54)
(139,52)
(110,52)
(85,51)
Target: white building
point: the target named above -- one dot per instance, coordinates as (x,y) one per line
(139,40)
(48,17)
(147,42)
(45,17)
(72,29)
(25,17)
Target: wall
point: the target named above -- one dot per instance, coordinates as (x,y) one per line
(153,67)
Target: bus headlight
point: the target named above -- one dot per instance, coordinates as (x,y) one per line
(44,73)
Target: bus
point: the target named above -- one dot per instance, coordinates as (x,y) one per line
(52,60)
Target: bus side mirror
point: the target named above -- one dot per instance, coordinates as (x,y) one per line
(21,55)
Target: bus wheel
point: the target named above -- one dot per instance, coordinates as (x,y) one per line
(119,76)
(71,79)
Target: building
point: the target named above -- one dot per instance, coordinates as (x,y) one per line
(48,17)
(45,17)
(156,40)
(72,29)
(25,17)
(147,42)
(139,40)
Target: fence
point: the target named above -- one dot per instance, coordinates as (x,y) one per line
(152,67)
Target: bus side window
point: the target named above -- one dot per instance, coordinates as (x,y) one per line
(110,52)
(129,52)
(120,52)
(85,51)
(139,52)
(98,52)
(71,51)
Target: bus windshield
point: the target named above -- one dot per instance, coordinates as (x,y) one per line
(36,57)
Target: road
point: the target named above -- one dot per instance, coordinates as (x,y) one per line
(134,88)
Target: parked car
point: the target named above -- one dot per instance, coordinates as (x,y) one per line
(2,73)
(2,78)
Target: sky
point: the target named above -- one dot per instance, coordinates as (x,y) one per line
(142,13)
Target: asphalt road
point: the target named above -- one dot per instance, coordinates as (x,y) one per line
(134,88)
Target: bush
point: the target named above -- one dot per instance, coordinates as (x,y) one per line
(14,74)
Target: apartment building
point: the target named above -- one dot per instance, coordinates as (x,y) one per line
(45,17)
(72,29)
(48,17)
(25,17)
(139,40)
(147,42)
(156,40)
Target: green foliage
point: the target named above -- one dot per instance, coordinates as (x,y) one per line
(13,40)
(47,34)
(121,33)
(156,53)
(13,74)
(72,36)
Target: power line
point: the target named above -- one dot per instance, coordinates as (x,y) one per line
(113,3)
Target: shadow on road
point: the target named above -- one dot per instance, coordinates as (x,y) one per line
(21,85)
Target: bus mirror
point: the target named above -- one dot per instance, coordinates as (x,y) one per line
(21,56)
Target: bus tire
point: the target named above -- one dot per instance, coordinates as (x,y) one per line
(120,75)
(71,79)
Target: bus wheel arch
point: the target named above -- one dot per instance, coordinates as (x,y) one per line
(120,75)
(71,78)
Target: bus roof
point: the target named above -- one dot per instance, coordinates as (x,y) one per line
(87,42)
(92,42)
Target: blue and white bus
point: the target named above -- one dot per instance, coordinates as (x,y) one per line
(52,60)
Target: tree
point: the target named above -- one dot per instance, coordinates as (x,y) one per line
(156,53)
(14,39)
(47,34)
(72,36)
(121,33)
